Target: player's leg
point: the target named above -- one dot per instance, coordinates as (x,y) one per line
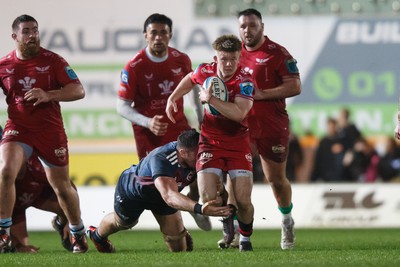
(175,234)
(242,184)
(58,177)
(13,156)
(125,216)
(275,172)
(230,225)
(110,224)
(48,202)
(202,221)
(210,184)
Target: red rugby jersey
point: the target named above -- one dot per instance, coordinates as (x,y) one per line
(47,71)
(268,65)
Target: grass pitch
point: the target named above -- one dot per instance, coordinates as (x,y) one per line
(315,247)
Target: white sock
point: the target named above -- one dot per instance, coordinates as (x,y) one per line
(244,238)
(287,218)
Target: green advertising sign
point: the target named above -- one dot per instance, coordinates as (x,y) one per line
(358,69)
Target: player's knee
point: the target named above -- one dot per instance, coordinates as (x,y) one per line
(176,243)
(279,182)
(244,204)
(125,225)
(7,176)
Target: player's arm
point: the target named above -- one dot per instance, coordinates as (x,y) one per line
(193,96)
(235,111)
(184,87)
(291,86)
(125,109)
(169,192)
(69,92)
(19,238)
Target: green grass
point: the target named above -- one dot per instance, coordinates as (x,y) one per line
(315,247)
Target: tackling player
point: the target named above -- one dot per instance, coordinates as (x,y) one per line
(276,78)
(224,142)
(146,82)
(155,184)
(34,81)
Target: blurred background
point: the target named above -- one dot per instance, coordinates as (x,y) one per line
(342,124)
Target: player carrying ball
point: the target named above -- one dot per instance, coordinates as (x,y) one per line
(224,141)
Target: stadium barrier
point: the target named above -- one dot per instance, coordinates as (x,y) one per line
(315,206)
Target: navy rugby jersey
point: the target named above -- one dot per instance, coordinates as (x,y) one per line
(162,161)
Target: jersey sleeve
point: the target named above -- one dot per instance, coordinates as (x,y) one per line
(160,166)
(63,72)
(197,77)
(127,85)
(287,65)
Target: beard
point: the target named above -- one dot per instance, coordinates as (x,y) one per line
(30,50)
(254,41)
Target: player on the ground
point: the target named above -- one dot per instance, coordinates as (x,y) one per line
(33,190)
(147,81)
(224,143)
(155,184)
(34,81)
(276,78)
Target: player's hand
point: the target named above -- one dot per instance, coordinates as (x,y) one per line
(210,208)
(258,94)
(205,94)
(397,131)
(170,109)
(37,95)
(26,249)
(157,127)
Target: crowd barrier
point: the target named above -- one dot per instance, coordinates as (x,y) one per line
(315,206)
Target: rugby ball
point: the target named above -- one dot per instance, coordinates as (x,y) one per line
(219,91)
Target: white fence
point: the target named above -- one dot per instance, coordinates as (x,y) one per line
(315,205)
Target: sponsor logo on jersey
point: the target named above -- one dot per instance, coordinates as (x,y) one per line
(60,152)
(205,70)
(249,157)
(10,132)
(166,87)
(27,83)
(247,88)
(133,64)
(175,53)
(10,71)
(262,61)
(124,77)
(279,149)
(71,73)
(176,71)
(42,69)
(291,65)
(205,157)
(149,77)
(248,70)
(191,176)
